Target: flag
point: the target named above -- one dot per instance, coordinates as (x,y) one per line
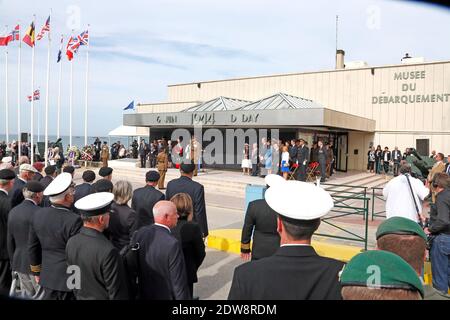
(12,36)
(36,95)
(72,47)
(45,28)
(83,38)
(29,35)
(60,50)
(130,106)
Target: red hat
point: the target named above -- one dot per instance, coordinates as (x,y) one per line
(38,166)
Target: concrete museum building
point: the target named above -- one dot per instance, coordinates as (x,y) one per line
(354,106)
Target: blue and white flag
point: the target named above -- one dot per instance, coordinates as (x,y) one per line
(130,106)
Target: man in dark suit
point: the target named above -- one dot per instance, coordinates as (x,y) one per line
(261,222)
(102,272)
(106,173)
(396,156)
(162,271)
(38,166)
(6,184)
(85,188)
(50,174)
(143,152)
(20,219)
(295,271)
(145,198)
(52,227)
(26,173)
(195,190)
(302,158)
(386,157)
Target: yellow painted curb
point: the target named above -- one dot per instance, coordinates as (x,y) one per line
(229,240)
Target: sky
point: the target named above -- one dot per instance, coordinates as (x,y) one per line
(139,47)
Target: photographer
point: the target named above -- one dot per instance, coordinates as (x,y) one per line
(440,228)
(404,195)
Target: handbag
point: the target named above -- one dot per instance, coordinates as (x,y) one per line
(130,258)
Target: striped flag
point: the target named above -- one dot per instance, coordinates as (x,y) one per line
(36,95)
(29,35)
(45,28)
(60,49)
(12,36)
(72,47)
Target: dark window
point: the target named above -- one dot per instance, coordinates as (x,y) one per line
(423,146)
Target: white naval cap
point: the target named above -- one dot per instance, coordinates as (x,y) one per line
(6,159)
(27,167)
(297,200)
(95,204)
(59,185)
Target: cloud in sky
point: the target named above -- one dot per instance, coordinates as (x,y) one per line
(140,47)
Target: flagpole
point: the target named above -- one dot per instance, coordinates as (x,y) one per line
(86,97)
(70,102)
(32,97)
(19,136)
(59,94)
(47,94)
(6,95)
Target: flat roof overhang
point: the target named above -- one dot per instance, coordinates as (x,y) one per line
(281,118)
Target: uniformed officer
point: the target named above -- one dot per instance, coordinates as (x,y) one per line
(20,219)
(185,184)
(162,163)
(51,229)
(102,274)
(6,184)
(380,275)
(85,188)
(145,198)
(295,271)
(26,173)
(102,185)
(302,159)
(260,224)
(106,173)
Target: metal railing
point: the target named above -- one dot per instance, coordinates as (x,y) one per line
(349,201)
(376,194)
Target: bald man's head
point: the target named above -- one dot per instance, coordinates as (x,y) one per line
(165,212)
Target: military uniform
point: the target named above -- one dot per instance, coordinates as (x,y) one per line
(197,193)
(143,201)
(162,163)
(5,267)
(102,273)
(50,230)
(302,158)
(105,155)
(261,223)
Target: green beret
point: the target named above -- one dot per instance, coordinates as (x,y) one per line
(394,272)
(400,225)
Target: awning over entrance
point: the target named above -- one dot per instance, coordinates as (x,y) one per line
(277,111)
(128,131)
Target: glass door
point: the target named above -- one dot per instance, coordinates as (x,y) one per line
(342,152)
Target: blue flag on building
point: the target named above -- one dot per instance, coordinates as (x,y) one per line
(130,106)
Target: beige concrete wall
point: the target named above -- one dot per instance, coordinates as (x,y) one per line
(359,141)
(351,91)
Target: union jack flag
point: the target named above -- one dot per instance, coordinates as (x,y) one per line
(83,38)
(72,47)
(36,95)
(45,28)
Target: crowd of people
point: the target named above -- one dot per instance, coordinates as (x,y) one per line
(49,225)
(289,158)
(64,241)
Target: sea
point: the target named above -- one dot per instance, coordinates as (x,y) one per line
(76,140)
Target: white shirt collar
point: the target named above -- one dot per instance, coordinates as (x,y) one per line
(161,225)
(6,192)
(22,179)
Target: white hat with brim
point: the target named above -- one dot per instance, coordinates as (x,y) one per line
(59,185)
(95,203)
(298,200)
(6,159)
(27,167)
